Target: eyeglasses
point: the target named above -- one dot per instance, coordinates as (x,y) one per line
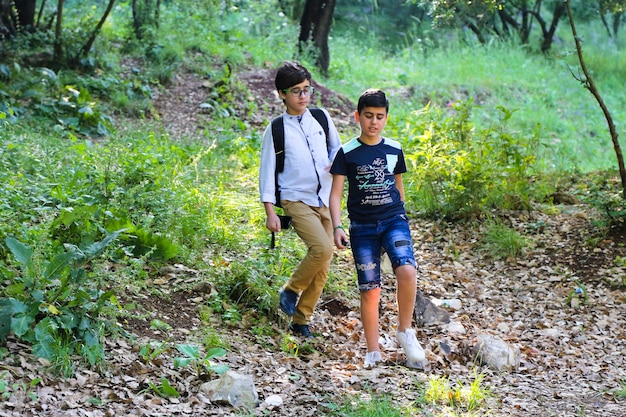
(299,92)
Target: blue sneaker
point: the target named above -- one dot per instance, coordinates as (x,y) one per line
(288,301)
(301,330)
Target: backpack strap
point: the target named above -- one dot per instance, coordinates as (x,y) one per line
(278,136)
(322,120)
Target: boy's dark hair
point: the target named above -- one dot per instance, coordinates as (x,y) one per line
(290,74)
(373,98)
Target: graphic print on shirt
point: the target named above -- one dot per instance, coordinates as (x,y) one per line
(376,181)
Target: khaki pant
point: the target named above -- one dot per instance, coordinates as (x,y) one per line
(314,226)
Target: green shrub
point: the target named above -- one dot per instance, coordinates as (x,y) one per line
(44,93)
(458,171)
(500,241)
(56,305)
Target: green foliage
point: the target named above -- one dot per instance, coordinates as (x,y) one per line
(458,171)
(8,389)
(440,391)
(224,102)
(200,363)
(211,339)
(197,203)
(152,350)
(620,393)
(163,389)
(254,282)
(502,242)
(57,306)
(388,22)
(382,405)
(289,345)
(579,293)
(164,62)
(43,92)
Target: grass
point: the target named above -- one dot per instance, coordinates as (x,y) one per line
(196,202)
(503,242)
(620,393)
(438,397)
(540,89)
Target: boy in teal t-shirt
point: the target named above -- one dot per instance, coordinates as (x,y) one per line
(374,166)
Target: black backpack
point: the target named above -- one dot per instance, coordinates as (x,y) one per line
(278,134)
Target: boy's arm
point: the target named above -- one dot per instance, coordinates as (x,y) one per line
(336,192)
(272,222)
(267,180)
(399,185)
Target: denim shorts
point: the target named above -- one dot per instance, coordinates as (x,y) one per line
(368,240)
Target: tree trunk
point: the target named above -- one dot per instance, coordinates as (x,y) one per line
(41,9)
(15,16)
(590,85)
(617,20)
(7,28)
(145,16)
(507,20)
(87,47)
(58,44)
(476,30)
(548,37)
(315,26)
(26,13)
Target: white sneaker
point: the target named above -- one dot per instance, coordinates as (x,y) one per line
(371,359)
(411,346)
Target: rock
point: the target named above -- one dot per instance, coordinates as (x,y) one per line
(232,388)
(563,198)
(455,327)
(496,353)
(503,328)
(273,401)
(427,313)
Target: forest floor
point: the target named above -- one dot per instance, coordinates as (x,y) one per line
(572,353)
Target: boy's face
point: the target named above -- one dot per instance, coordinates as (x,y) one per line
(297,97)
(372,121)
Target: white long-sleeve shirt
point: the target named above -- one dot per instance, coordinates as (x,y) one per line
(306,176)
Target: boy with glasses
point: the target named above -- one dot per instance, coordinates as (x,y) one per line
(374,165)
(304,188)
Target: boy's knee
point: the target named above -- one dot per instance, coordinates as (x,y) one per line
(322,252)
(365,288)
(404,263)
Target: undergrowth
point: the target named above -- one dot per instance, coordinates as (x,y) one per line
(85,205)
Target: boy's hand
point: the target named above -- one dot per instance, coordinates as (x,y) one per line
(272,223)
(341,239)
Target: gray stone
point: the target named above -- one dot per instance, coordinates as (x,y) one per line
(273,401)
(427,313)
(496,353)
(232,388)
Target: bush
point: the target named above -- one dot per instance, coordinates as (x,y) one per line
(459,172)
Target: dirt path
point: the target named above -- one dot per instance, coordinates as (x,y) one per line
(572,358)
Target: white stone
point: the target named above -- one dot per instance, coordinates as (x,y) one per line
(455,327)
(273,401)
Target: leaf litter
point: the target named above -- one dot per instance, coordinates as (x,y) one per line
(572,350)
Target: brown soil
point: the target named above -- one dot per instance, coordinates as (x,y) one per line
(572,356)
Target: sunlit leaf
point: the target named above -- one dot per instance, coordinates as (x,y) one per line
(21,252)
(191,351)
(58,265)
(215,352)
(21,323)
(167,389)
(52,309)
